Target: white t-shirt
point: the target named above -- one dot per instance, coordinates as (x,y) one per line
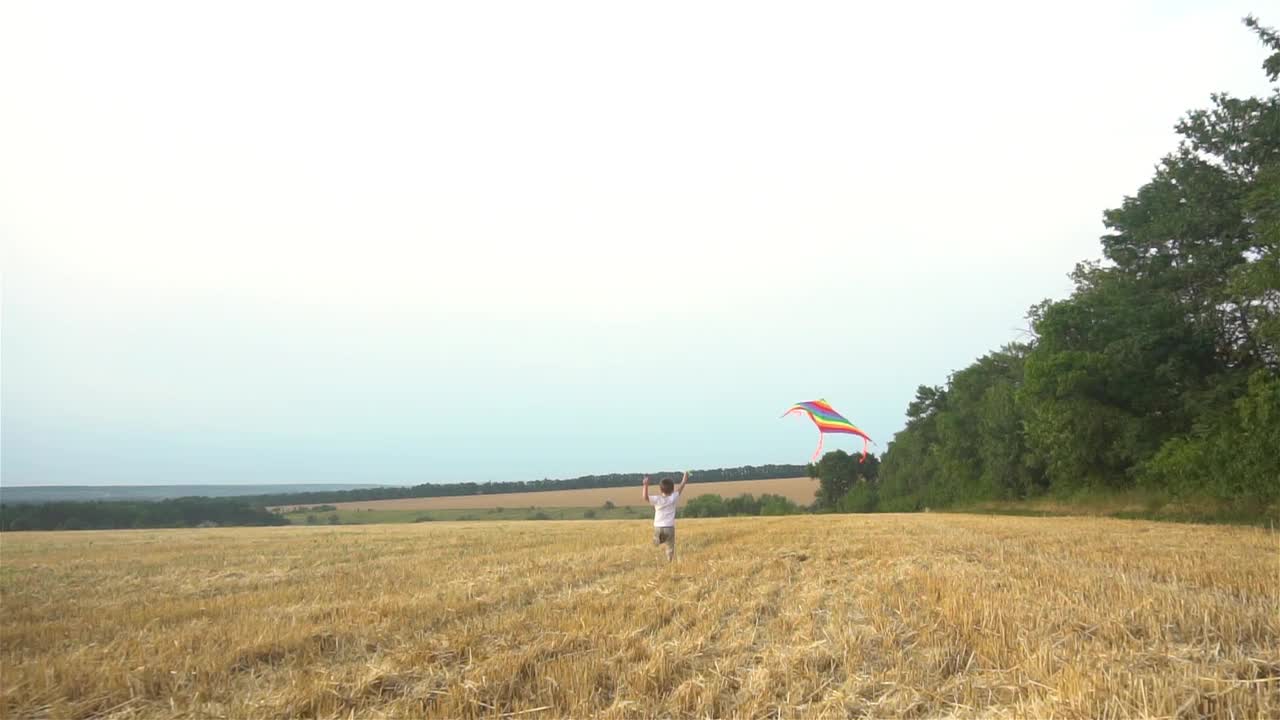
(664,509)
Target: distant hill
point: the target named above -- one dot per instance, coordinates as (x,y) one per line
(314,493)
(87,507)
(85,493)
(745,472)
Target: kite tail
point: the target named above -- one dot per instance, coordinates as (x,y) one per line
(817,452)
(864,451)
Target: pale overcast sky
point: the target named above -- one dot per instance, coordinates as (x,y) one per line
(406,242)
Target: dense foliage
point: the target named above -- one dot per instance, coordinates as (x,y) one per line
(110,515)
(716,506)
(1160,372)
(746,472)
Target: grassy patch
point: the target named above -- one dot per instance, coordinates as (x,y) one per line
(1131,505)
(921,615)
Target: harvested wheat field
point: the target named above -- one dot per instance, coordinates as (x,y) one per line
(819,616)
(799,490)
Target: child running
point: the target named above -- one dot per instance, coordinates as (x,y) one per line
(664,512)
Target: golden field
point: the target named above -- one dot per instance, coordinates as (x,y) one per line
(922,615)
(799,490)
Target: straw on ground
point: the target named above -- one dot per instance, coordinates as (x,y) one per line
(922,615)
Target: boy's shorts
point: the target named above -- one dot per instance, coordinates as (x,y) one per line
(664,535)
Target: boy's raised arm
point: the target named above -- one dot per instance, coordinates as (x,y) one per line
(683,481)
(644,488)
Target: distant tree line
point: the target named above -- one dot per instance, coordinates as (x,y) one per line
(251,509)
(746,472)
(111,515)
(1160,372)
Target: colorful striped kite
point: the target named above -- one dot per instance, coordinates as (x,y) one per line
(828,421)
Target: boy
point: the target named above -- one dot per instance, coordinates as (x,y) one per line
(664,512)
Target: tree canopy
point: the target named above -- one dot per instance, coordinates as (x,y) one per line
(1161,370)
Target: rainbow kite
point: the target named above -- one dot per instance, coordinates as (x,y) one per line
(828,421)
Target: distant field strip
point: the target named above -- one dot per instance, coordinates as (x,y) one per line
(800,490)
(920,616)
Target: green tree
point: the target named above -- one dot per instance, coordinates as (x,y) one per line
(1152,351)
(861,498)
(705,506)
(1113,374)
(838,471)
(1161,367)
(964,441)
(911,463)
(777,505)
(1235,458)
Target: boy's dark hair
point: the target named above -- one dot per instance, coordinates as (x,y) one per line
(667,486)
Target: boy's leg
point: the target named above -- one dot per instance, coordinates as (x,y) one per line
(671,544)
